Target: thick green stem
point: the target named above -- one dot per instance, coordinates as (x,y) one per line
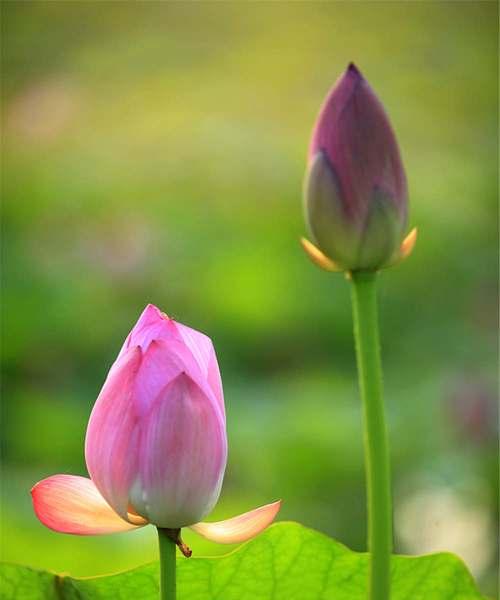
(167,564)
(364,302)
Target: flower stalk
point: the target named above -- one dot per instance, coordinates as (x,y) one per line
(377,464)
(167,564)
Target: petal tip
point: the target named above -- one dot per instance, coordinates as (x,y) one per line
(152,311)
(352,69)
(405,249)
(240,528)
(408,244)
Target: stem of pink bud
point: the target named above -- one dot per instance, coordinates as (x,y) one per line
(364,301)
(167,564)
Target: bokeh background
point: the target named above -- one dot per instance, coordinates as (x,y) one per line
(154,152)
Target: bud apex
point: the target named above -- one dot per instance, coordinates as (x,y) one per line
(355,191)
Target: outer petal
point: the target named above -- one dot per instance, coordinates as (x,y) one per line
(240,528)
(334,234)
(112,436)
(182,456)
(72,504)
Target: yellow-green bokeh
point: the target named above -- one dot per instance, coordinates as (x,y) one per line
(154,152)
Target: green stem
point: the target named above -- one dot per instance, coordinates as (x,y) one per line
(364,302)
(167,564)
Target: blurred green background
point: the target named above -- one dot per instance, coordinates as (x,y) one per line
(154,152)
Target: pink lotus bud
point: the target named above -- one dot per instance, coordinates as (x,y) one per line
(355,192)
(156,445)
(156,439)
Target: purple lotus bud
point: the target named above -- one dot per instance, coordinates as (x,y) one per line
(355,192)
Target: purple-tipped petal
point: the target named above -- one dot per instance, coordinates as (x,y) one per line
(241,528)
(331,111)
(182,456)
(361,165)
(72,504)
(354,132)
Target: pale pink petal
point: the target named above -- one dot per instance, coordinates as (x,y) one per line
(204,353)
(72,504)
(182,456)
(112,435)
(241,528)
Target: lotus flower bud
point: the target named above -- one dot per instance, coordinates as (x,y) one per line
(156,445)
(156,439)
(355,192)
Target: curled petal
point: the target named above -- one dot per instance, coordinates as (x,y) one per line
(72,504)
(318,258)
(405,249)
(408,244)
(241,528)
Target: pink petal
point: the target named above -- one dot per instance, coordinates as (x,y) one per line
(182,456)
(214,379)
(162,363)
(154,325)
(203,352)
(241,528)
(111,441)
(72,504)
